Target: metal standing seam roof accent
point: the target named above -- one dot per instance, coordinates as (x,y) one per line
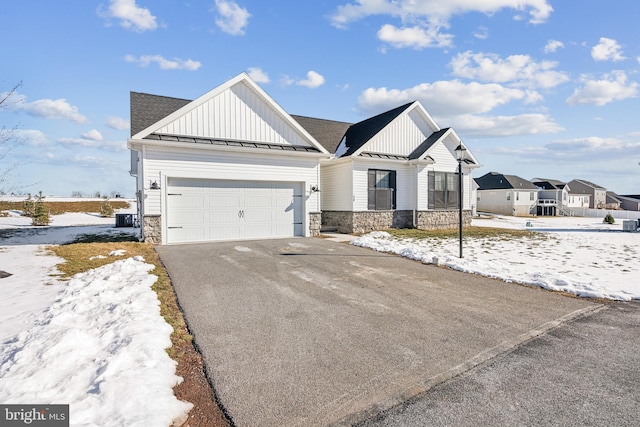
(229,143)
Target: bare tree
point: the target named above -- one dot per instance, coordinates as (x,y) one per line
(8,141)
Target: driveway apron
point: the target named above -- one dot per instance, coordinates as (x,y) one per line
(310,332)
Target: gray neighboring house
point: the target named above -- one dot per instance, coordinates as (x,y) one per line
(597,193)
(506,195)
(613,201)
(630,202)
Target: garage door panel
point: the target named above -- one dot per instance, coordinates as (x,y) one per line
(207,210)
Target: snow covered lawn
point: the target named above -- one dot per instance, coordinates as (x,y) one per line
(96,342)
(581,256)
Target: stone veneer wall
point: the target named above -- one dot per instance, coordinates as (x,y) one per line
(152,229)
(434,220)
(315,223)
(366,221)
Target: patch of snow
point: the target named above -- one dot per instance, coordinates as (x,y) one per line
(242,249)
(118,252)
(100,347)
(97,257)
(581,256)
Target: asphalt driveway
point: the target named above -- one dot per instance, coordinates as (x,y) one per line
(306,331)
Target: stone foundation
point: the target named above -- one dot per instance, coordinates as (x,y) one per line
(152,229)
(366,221)
(437,220)
(315,223)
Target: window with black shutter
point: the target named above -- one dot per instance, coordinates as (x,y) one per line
(443,190)
(381,190)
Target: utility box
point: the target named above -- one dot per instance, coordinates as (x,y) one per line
(629,225)
(124,220)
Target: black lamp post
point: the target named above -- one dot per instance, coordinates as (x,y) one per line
(460,155)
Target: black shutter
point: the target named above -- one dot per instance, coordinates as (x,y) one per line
(431,196)
(392,185)
(371,189)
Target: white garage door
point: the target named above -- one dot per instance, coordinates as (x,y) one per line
(202,210)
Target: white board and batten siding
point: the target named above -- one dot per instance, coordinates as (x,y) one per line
(239,114)
(401,136)
(231,172)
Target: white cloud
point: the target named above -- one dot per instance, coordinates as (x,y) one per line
(607,50)
(442,98)
(113,146)
(31,137)
(163,63)
(92,135)
(117,123)
(50,109)
(232,19)
(415,37)
(312,81)
(131,16)
(481,33)
(552,46)
(504,126)
(423,19)
(519,70)
(612,87)
(257,75)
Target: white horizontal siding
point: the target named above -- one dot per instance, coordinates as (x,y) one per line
(405,188)
(162,163)
(337,187)
(236,114)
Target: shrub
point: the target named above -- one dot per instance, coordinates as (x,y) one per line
(106,210)
(609,219)
(28,207)
(40,211)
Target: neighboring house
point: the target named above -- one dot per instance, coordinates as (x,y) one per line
(578,201)
(553,197)
(597,194)
(630,202)
(397,169)
(233,164)
(229,165)
(613,201)
(506,195)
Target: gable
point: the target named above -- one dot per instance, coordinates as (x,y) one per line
(402,136)
(235,111)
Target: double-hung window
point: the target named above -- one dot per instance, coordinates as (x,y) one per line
(443,190)
(381,189)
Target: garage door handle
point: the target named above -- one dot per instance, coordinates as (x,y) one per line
(174,194)
(173,227)
(240,214)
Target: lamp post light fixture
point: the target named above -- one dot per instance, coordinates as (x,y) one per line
(460,156)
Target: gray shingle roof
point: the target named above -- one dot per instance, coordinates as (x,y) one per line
(328,133)
(549,184)
(590,184)
(498,181)
(147,109)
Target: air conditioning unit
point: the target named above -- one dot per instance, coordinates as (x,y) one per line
(124,220)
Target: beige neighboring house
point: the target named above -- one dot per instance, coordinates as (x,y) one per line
(506,195)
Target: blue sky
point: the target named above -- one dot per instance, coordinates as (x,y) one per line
(535,88)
